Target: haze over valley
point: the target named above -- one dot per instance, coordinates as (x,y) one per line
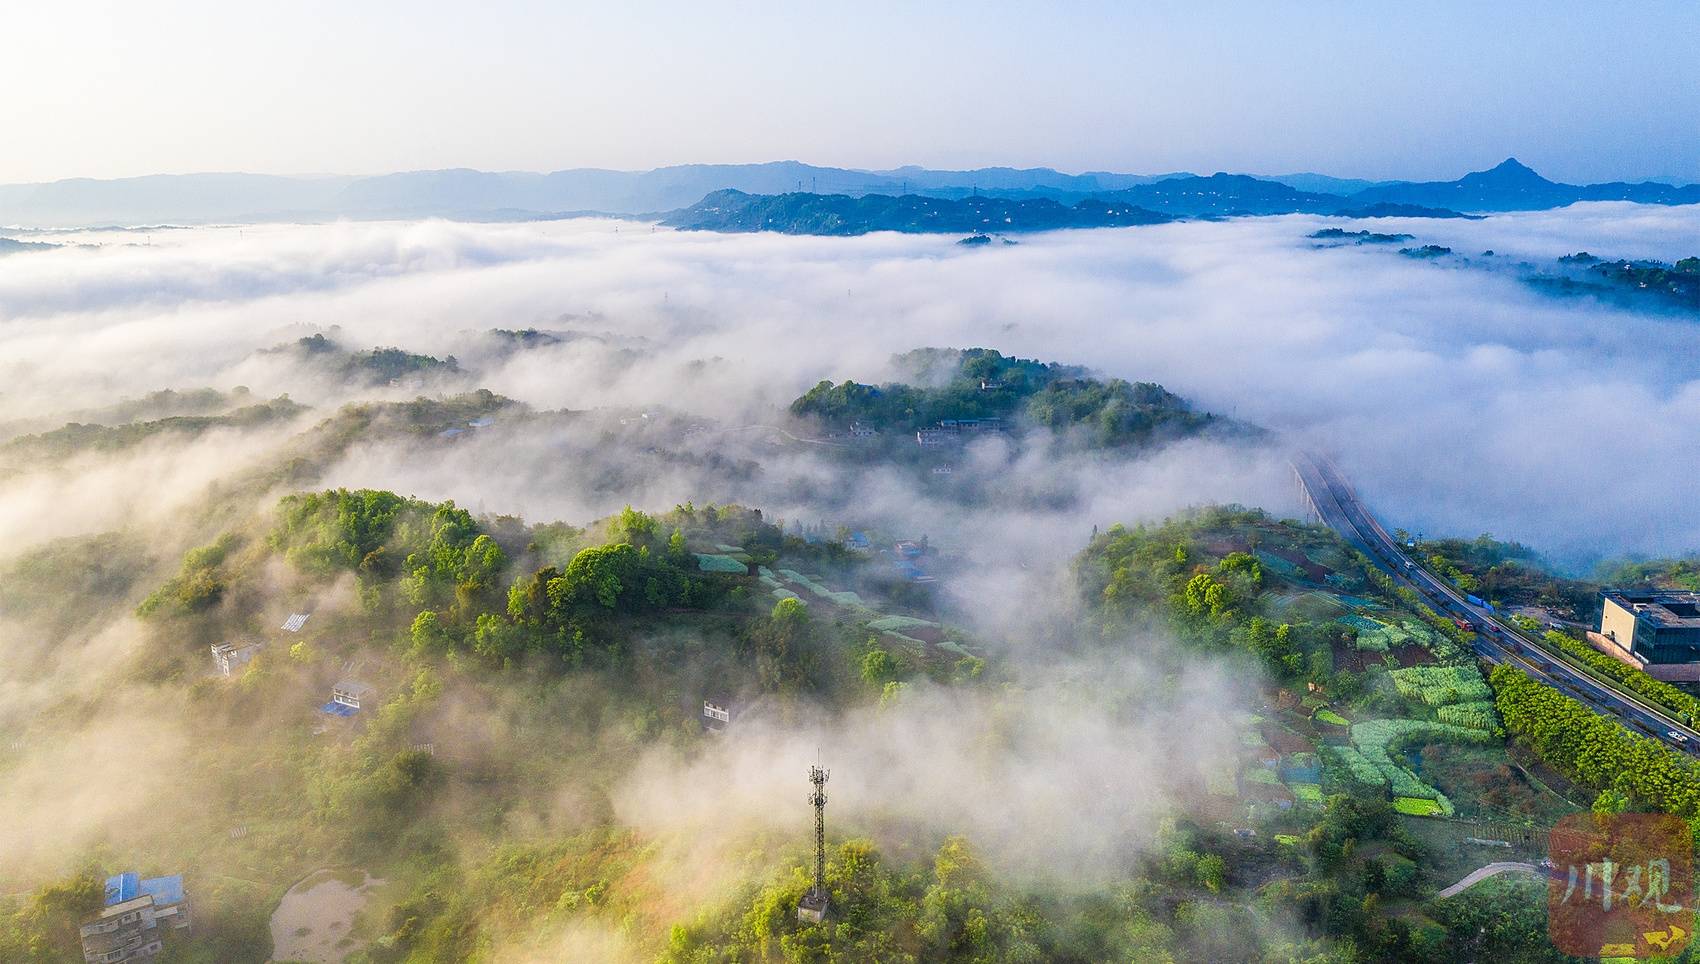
(595,541)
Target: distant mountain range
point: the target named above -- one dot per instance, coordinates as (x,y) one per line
(841,214)
(512,196)
(1513,187)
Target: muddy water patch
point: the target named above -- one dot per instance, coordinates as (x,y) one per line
(313,921)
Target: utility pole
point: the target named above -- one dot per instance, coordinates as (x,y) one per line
(812,907)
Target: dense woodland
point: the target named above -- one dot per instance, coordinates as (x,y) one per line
(1022,394)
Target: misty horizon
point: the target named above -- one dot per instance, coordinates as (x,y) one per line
(1323,170)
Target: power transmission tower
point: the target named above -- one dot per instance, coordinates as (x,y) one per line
(813,905)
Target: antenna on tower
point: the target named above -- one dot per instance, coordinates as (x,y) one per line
(812,907)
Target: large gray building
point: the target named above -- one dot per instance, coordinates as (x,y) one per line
(1654,626)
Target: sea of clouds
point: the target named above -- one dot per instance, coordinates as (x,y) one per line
(1459,399)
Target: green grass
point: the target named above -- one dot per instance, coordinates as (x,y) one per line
(1306,792)
(1331,718)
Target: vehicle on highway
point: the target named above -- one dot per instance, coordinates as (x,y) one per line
(1678,737)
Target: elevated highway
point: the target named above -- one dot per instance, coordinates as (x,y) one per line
(1336,503)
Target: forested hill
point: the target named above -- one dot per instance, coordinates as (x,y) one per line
(841,214)
(948,387)
(1510,186)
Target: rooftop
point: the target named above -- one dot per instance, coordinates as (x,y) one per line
(1672,608)
(123,887)
(130,885)
(165,890)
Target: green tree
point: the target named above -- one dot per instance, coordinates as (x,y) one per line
(598,576)
(779,644)
(428,633)
(878,668)
(1212,872)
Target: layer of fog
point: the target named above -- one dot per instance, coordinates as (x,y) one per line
(1039,508)
(1460,400)
(1067,776)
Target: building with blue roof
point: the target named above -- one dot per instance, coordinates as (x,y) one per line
(123,887)
(138,910)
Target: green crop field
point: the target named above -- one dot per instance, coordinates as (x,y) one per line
(1441,685)
(1378,740)
(1419,807)
(899,623)
(708,562)
(1357,767)
(1473,715)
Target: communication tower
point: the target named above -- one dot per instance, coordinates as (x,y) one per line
(812,907)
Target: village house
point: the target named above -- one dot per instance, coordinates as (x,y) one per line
(347,698)
(229,658)
(137,912)
(992,424)
(716,713)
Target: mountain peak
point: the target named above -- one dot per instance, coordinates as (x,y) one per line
(1508,171)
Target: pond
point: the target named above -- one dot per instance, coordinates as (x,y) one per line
(312,921)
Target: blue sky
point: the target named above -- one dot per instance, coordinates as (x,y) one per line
(1579,91)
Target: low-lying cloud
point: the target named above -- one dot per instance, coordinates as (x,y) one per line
(1065,778)
(1460,400)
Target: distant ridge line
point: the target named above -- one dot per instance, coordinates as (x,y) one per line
(467,194)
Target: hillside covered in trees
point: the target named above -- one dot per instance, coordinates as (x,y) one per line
(843,214)
(991,391)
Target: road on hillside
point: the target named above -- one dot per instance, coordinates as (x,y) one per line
(1482,873)
(1339,507)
